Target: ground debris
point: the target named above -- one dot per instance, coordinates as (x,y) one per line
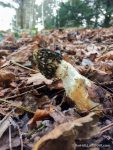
(42,112)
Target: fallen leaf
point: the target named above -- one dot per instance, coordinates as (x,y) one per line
(4,53)
(15,141)
(38,79)
(106,56)
(39,115)
(23,54)
(6,75)
(56,85)
(63,136)
(4,124)
(4,91)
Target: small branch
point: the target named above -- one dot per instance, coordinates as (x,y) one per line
(106,128)
(5,118)
(102,110)
(20,107)
(20,134)
(10,143)
(15,96)
(17,64)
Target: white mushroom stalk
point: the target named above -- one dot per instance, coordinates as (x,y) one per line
(76,85)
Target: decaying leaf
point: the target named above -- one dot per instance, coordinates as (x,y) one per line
(23,54)
(4,53)
(6,75)
(4,141)
(39,115)
(63,136)
(38,79)
(93,74)
(106,56)
(4,124)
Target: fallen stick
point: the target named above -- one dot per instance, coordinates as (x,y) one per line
(24,93)
(17,64)
(16,106)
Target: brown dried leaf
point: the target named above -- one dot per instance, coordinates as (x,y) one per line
(5,123)
(63,136)
(6,75)
(4,91)
(23,53)
(4,52)
(39,115)
(93,74)
(38,79)
(106,66)
(56,85)
(106,56)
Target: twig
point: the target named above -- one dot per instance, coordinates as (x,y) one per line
(17,64)
(63,100)
(7,115)
(101,109)
(106,128)
(106,83)
(15,96)
(20,107)
(18,128)
(20,134)
(10,143)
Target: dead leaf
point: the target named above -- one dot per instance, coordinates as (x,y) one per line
(39,115)
(56,85)
(4,124)
(4,91)
(23,54)
(6,75)
(4,53)
(38,79)
(95,74)
(63,136)
(4,142)
(106,56)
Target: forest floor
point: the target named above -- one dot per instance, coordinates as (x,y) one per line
(35,110)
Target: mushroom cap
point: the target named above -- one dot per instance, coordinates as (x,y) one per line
(47,62)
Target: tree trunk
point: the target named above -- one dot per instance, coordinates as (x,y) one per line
(21,14)
(108,14)
(25,14)
(107,21)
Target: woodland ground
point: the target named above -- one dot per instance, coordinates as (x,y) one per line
(31,106)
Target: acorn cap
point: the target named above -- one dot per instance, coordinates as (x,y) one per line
(47,62)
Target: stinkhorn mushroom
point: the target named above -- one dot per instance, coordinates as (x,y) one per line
(51,64)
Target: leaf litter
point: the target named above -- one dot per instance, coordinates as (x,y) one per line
(44,117)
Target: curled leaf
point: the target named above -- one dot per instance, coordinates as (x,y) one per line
(39,115)
(63,136)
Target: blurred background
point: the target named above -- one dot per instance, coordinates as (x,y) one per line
(18,15)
